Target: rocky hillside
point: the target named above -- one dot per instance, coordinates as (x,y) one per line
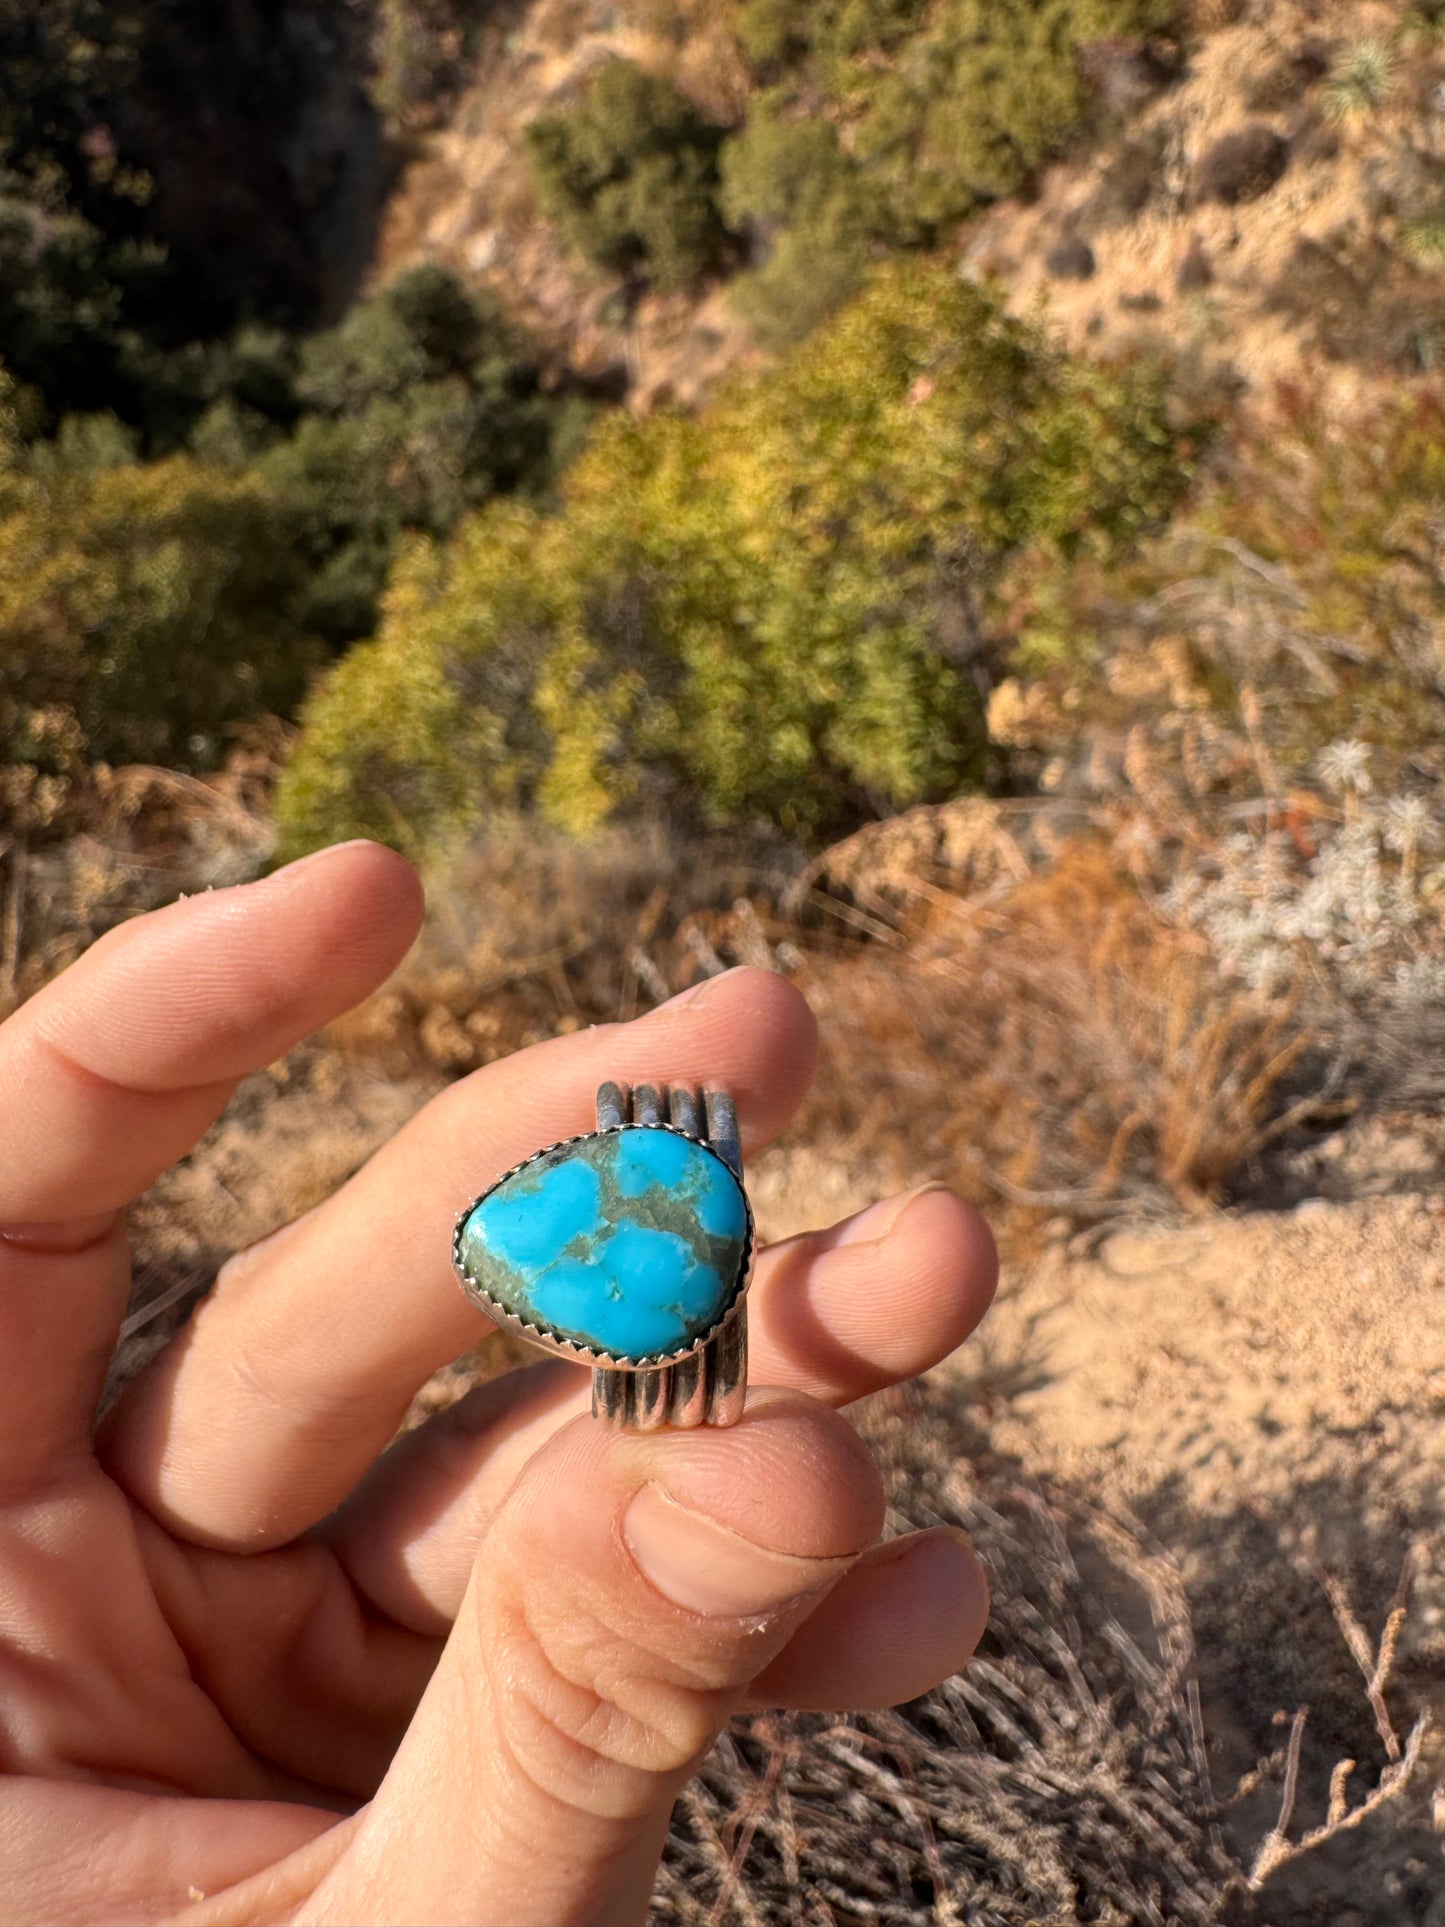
(1265,205)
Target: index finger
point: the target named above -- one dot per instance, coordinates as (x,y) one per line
(117,1066)
(114,1069)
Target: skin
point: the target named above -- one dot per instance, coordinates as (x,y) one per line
(259,1664)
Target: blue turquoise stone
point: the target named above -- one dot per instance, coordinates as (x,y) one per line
(629,1242)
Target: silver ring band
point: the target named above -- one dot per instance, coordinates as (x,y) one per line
(709,1386)
(627,1249)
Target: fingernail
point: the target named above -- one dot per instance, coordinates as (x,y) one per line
(872,1226)
(695,993)
(707,1568)
(62,1240)
(290,871)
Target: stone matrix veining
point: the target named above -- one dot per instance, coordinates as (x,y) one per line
(629,1242)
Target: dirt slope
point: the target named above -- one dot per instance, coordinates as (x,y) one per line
(1301,270)
(1266,1393)
(1298,269)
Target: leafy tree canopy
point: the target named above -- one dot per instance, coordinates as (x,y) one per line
(768,612)
(154,604)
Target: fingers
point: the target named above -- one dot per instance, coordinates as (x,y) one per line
(300,1365)
(114,1069)
(837,1314)
(627,1594)
(876,1299)
(78,1851)
(908,1615)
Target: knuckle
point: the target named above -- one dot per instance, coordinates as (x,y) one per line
(591,1721)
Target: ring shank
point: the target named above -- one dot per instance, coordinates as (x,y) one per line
(709,1386)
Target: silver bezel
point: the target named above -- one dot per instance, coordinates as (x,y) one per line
(553,1341)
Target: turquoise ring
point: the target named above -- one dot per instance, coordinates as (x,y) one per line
(627,1249)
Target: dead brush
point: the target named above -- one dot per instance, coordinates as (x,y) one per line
(530,934)
(82,854)
(1376,1662)
(1062,1777)
(1003,1013)
(1050,1043)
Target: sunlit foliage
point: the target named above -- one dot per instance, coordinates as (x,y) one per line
(767,613)
(155,604)
(946,105)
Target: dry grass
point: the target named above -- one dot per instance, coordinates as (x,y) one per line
(1064,1777)
(1095,1058)
(83,851)
(999,1009)
(530,935)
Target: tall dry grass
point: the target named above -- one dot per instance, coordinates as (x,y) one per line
(1000,1007)
(1064,1777)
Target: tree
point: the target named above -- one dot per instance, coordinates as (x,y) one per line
(420,405)
(153,603)
(631,174)
(760,614)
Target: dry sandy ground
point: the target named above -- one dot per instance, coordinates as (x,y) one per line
(1266,1394)
(1232,1353)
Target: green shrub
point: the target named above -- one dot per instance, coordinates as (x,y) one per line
(71,261)
(154,603)
(1423,23)
(418,407)
(774,31)
(420,49)
(789,186)
(985,96)
(1421,238)
(631,174)
(941,107)
(1360,80)
(760,614)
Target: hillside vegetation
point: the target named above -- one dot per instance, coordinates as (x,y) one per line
(943,499)
(918,539)
(770,613)
(921,550)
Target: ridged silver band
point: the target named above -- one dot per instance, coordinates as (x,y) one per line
(710,1385)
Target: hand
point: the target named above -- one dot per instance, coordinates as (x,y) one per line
(259,1664)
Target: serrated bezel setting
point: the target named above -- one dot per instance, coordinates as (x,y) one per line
(552,1341)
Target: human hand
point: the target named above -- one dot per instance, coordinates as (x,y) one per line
(254,1665)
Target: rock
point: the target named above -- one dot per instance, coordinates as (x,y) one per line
(1196,270)
(1071,259)
(630,1243)
(1128,181)
(1126,71)
(1282,83)
(1240,166)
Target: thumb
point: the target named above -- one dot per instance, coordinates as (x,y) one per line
(625,1597)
